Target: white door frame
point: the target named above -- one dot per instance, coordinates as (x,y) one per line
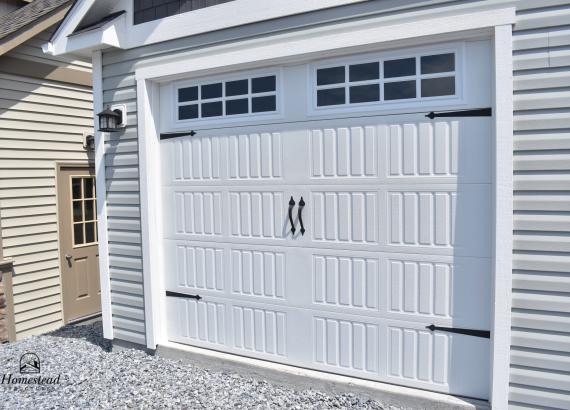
(341,38)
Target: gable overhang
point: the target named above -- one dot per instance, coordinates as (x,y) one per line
(67,39)
(122,33)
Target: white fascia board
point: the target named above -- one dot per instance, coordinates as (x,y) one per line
(226,15)
(58,44)
(323,41)
(109,35)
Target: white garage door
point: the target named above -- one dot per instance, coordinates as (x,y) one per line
(391,210)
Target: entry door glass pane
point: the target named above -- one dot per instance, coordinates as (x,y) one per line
(84,210)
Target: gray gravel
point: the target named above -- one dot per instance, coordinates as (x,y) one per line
(92,376)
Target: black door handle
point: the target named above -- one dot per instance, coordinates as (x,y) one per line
(291,206)
(300,214)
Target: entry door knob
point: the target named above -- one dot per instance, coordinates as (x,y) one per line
(68,257)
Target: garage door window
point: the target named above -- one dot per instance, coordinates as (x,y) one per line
(386,80)
(236,97)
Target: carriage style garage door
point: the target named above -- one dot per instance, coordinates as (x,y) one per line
(392,215)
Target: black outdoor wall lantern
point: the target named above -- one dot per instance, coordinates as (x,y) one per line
(110,120)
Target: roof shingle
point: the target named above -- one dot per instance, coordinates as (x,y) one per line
(14,21)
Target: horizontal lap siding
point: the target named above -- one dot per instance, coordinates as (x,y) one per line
(121,156)
(41,122)
(540,353)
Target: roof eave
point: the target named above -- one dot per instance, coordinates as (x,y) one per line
(31,30)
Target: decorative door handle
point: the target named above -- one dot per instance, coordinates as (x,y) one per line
(291,206)
(300,214)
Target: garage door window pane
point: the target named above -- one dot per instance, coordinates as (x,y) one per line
(263,84)
(211,91)
(187,94)
(440,63)
(400,90)
(333,96)
(239,87)
(187,112)
(263,104)
(364,93)
(213,109)
(332,75)
(234,107)
(400,68)
(363,72)
(434,87)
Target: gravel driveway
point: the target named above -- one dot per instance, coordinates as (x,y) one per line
(94,377)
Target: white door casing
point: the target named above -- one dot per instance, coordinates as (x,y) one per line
(148,77)
(398,236)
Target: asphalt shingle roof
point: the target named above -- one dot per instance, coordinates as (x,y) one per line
(14,21)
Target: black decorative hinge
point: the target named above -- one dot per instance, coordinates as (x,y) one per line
(183,295)
(168,135)
(469,332)
(478,112)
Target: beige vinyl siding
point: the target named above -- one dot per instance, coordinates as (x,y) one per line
(41,122)
(540,352)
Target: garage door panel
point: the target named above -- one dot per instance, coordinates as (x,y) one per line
(438,218)
(397,221)
(443,290)
(258,214)
(345,216)
(438,151)
(448,290)
(345,152)
(255,155)
(194,213)
(425,359)
(195,266)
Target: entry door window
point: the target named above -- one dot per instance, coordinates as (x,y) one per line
(84,210)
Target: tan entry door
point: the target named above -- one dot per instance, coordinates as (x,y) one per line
(79,252)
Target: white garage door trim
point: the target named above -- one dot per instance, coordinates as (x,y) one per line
(148,79)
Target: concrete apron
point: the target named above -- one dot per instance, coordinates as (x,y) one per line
(301,379)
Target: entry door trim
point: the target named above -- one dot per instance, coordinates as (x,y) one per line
(148,92)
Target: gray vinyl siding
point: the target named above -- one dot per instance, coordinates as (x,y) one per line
(541,276)
(540,351)
(121,156)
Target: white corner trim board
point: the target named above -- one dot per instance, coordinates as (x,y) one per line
(149,169)
(319,42)
(501,325)
(101,199)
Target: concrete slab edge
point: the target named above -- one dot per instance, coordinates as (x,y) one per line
(300,378)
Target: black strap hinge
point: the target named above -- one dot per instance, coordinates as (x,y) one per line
(477,112)
(168,135)
(183,295)
(469,332)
